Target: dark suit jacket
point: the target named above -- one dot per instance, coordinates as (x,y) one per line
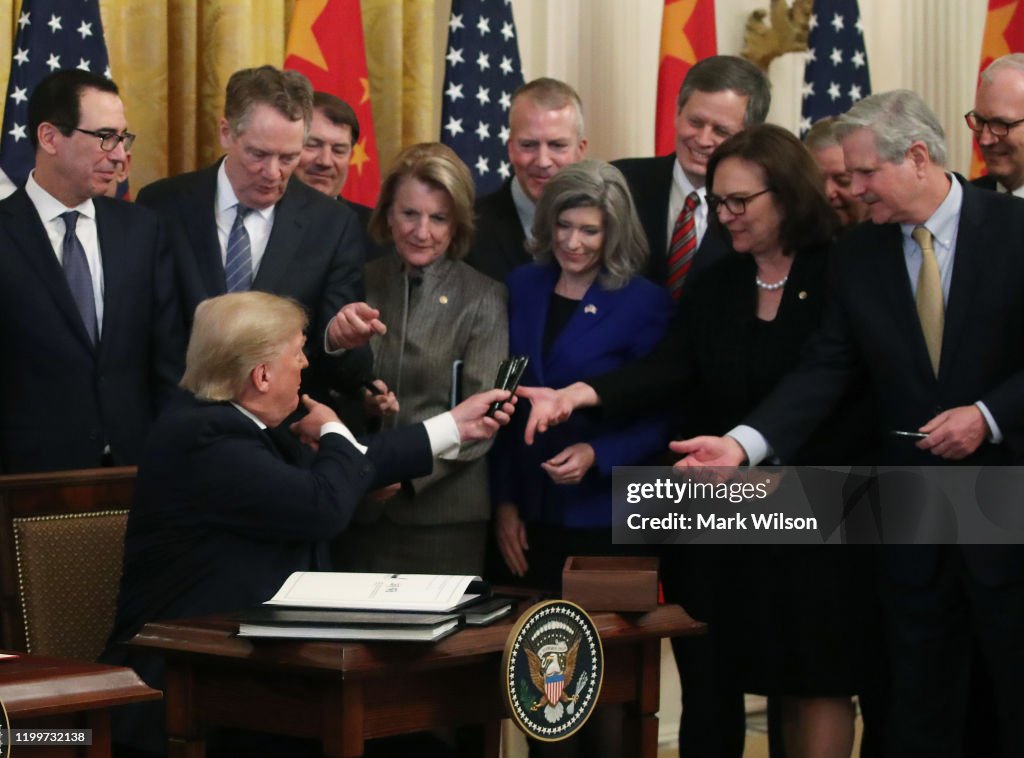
(314,255)
(499,244)
(373,250)
(871,320)
(607,329)
(650,183)
(985,182)
(61,398)
(224,513)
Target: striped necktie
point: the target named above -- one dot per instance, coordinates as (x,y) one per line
(683,245)
(76,269)
(238,261)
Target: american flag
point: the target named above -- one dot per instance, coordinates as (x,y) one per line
(52,35)
(481,73)
(836,74)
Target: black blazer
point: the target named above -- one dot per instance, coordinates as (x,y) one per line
(985,182)
(871,321)
(499,244)
(373,250)
(314,255)
(61,398)
(650,184)
(224,513)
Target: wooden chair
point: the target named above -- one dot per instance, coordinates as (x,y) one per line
(61,545)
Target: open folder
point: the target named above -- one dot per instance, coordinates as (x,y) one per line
(438,593)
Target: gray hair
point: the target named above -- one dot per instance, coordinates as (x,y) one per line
(1013,61)
(719,73)
(822,134)
(287,92)
(552,95)
(594,184)
(897,119)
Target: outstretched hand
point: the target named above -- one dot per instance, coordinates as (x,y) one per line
(307,428)
(353,326)
(548,408)
(707,452)
(471,414)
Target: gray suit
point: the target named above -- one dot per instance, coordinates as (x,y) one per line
(454,313)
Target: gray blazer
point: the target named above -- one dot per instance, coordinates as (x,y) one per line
(454,313)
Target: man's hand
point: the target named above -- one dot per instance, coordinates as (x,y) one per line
(353,326)
(511,533)
(471,415)
(383,404)
(719,452)
(384,493)
(307,428)
(550,407)
(570,465)
(956,433)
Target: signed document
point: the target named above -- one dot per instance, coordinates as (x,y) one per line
(438,593)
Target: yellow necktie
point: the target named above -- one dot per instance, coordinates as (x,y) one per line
(930,306)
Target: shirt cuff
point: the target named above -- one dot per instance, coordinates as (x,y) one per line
(443,433)
(994,435)
(753,443)
(336,427)
(327,343)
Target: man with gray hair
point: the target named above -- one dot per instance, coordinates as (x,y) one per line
(545,133)
(996,121)
(720,96)
(927,307)
(247,223)
(824,147)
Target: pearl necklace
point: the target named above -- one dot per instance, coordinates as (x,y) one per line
(773,286)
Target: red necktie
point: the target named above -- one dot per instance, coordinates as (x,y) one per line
(683,245)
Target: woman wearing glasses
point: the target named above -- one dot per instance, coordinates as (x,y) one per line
(787,617)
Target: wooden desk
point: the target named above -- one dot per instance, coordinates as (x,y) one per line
(51,693)
(346,693)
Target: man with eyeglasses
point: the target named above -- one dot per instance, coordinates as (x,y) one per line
(997,121)
(90,324)
(247,223)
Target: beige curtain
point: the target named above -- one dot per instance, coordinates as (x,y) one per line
(172,60)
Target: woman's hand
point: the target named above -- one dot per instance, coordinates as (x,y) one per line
(570,465)
(380,404)
(511,533)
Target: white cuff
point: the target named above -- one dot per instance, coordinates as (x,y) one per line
(995,436)
(444,437)
(753,443)
(336,427)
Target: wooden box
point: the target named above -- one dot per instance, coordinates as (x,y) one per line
(605,583)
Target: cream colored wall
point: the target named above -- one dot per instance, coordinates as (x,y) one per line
(608,50)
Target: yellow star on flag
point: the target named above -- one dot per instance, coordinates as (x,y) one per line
(674,42)
(996,23)
(359,156)
(301,40)
(366,90)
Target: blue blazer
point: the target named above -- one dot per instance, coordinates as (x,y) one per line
(609,328)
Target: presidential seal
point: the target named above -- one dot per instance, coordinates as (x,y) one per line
(553,667)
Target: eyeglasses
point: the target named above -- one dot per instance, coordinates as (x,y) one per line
(997,127)
(109,139)
(737,204)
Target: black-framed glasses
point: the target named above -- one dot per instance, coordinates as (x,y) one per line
(109,139)
(996,126)
(737,204)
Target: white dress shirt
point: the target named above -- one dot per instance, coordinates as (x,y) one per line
(258,223)
(681,189)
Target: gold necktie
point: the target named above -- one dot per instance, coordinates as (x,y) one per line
(930,306)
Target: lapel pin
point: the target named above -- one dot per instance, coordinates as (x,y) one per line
(802,295)
(443,300)
(590,308)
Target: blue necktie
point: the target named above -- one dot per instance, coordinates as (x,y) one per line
(238,262)
(76,269)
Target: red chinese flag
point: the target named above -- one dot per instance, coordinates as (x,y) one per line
(687,36)
(1004,34)
(326,44)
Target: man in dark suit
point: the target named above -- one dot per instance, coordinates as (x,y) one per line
(327,155)
(953,371)
(245,222)
(996,122)
(824,147)
(545,133)
(90,322)
(227,504)
(720,96)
